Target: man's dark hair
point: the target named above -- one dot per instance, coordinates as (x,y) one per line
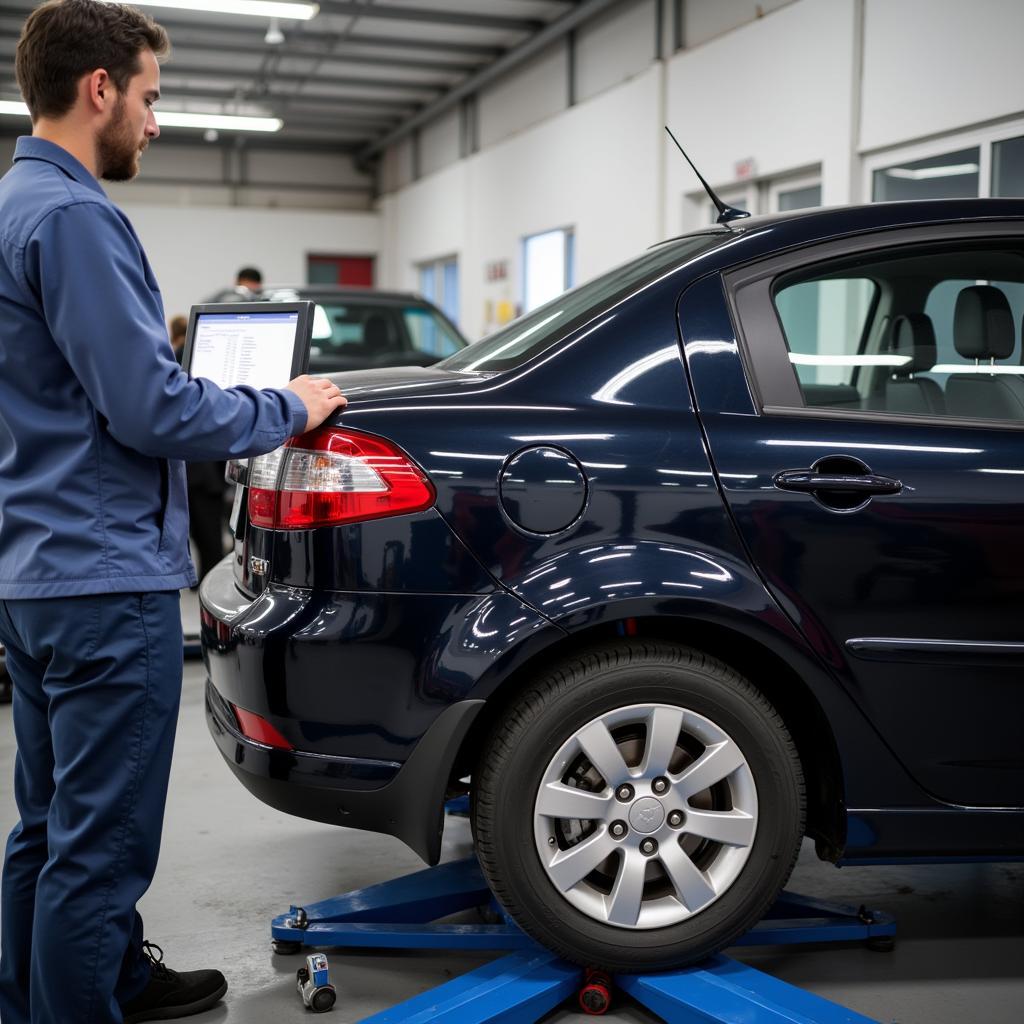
(65,39)
(249,274)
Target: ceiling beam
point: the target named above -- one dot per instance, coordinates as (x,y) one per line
(253,44)
(308,32)
(285,77)
(430,14)
(557,30)
(260,93)
(179,137)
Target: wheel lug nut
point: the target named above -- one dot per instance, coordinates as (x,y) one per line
(624,793)
(649,846)
(675,819)
(618,829)
(659,785)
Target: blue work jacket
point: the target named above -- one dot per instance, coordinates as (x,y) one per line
(95,413)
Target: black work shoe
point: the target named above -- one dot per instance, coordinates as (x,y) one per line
(172,994)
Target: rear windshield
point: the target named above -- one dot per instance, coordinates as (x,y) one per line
(524,338)
(381,331)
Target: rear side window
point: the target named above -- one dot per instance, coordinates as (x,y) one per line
(824,322)
(532,334)
(916,331)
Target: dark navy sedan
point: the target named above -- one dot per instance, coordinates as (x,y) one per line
(723,548)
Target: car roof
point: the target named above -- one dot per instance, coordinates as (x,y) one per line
(823,221)
(321,293)
(347,294)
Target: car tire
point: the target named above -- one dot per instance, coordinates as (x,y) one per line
(694,894)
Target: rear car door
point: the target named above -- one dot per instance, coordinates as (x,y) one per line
(863,403)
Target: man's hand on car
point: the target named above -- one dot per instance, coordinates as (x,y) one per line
(320,396)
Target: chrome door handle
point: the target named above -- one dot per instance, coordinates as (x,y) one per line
(809,481)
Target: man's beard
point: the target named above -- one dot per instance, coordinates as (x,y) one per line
(118,149)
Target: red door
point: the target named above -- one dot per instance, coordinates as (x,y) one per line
(354,271)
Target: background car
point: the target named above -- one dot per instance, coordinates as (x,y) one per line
(721,549)
(359,328)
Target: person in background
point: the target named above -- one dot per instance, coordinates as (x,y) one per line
(251,278)
(177,329)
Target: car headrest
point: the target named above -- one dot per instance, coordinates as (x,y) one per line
(375,332)
(983,323)
(914,336)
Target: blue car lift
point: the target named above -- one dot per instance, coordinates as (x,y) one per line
(529,982)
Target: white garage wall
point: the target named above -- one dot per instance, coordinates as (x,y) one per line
(537,90)
(704,20)
(593,168)
(933,66)
(779,91)
(614,46)
(439,142)
(196,252)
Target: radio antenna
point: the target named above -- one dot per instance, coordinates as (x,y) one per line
(725,213)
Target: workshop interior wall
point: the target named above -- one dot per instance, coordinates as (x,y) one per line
(763,95)
(920,82)
(760,94)
(778,92)
(195,253)
(572,170)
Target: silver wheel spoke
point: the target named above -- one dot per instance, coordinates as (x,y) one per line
(557,800)
(602,876)
(717,762)
(692,888)
(623,905)
(663,728)
(570,867)
(604,755)
(735,828)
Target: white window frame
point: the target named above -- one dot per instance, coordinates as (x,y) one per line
(983,138)
(759,195)
(570,260)
(778,185)
(436,267)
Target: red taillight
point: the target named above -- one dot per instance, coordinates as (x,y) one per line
(259,729)
(330,477)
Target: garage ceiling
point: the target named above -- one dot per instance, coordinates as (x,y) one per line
(353,78)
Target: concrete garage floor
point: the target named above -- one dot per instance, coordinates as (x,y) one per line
(229,864)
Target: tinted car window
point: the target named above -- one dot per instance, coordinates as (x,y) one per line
(524,338)
(916,331)
(429,333)
(824,323)
(380,334)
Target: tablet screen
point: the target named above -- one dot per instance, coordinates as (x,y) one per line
(255,348)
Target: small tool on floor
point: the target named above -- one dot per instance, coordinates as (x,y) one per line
(318,994)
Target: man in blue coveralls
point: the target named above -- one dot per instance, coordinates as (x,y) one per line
(94,415)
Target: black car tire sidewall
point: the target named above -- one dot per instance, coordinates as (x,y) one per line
(540,724)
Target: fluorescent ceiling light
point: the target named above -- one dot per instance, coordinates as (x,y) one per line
(219,122)
(801,359)
(921,173)
(183,119)
(250,8)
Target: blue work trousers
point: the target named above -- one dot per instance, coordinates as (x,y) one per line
(97,683)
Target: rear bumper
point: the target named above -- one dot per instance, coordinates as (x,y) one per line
(406,801)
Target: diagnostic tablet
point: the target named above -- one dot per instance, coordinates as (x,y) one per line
(262,344)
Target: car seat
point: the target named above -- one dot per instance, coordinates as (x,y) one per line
(913,336)
(983,330)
